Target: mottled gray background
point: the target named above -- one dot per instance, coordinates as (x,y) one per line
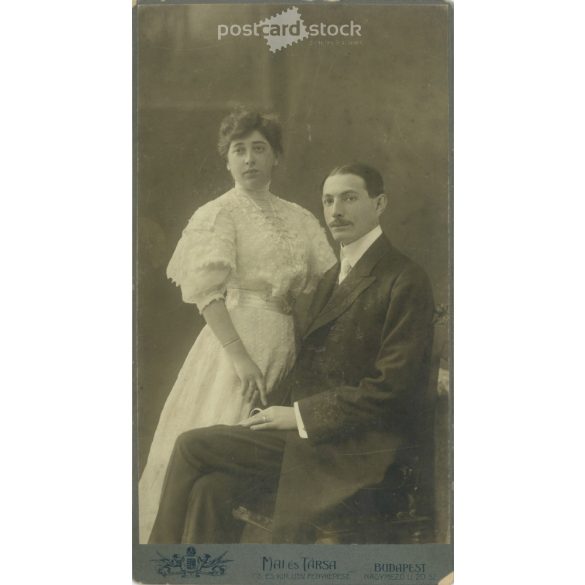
(384,101)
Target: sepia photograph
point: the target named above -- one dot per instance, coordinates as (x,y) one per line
(293,291)
(230,260)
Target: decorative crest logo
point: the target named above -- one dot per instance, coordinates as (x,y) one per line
(191,564)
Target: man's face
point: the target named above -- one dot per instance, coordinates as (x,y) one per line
(349,211)
(250,160)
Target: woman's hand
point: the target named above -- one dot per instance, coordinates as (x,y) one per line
(276,417)
(251,378)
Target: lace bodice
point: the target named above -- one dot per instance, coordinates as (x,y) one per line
(270,246)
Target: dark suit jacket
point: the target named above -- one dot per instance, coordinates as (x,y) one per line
(360,380)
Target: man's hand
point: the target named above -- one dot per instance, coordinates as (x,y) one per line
(276,417)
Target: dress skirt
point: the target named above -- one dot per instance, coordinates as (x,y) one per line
(207,390)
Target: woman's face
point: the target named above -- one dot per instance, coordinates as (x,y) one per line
(250,160)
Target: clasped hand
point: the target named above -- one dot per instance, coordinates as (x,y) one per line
(273,418)
(252,381)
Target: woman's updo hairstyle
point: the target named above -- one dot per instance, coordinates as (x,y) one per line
(241,122)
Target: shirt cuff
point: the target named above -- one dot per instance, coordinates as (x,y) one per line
(300,425)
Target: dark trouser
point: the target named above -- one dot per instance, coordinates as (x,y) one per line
(210,472)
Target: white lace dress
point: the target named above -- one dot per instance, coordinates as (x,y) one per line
(258,254)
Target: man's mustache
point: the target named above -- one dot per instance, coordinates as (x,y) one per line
(338,223)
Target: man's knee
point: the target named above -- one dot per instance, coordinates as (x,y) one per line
(194,441)
(187,438)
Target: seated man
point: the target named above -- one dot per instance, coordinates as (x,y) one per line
(349,406)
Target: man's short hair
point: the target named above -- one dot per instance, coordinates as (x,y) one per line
(241,122)
(371,176)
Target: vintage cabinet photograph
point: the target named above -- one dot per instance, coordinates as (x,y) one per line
(292,292)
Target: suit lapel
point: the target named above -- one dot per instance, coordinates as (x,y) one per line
(325,289)
(357,281)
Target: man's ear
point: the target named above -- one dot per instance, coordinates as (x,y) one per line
(381,203)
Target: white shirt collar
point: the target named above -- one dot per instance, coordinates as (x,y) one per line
(354,251)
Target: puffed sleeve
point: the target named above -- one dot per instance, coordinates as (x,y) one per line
(205,256)
(321,254)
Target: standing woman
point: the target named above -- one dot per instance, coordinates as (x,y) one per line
(243,259)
